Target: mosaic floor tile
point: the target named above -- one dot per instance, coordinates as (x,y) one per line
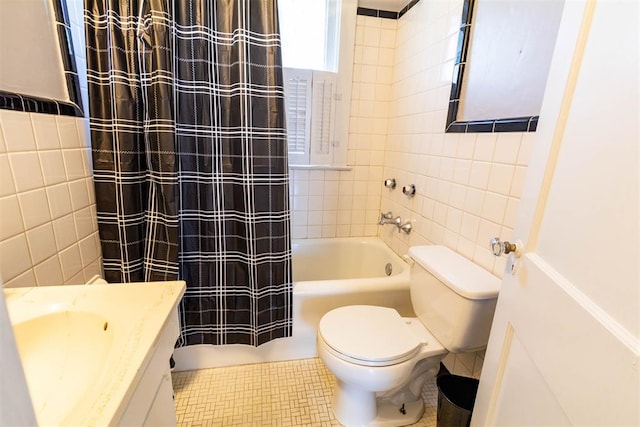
(291,393)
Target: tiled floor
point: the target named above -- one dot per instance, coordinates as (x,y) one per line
(292,393)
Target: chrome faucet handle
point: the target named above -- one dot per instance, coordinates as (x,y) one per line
(390,183)
(384,216)
(406,227)
(409,190)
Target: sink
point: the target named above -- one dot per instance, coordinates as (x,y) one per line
(87,350)
(63,350)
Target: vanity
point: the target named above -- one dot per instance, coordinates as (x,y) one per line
(98,354)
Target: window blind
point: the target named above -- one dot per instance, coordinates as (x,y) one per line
(297,95)
(310,110)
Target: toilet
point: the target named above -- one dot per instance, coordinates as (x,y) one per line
(381,360)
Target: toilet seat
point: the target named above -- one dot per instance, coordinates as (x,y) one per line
(368,335)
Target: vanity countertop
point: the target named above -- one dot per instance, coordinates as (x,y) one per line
(84,348)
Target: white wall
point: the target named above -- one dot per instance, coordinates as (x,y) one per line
(468,186)
(48,228)
(48,232)
(333,203)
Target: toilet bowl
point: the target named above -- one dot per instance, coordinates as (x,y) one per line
(382,360)
(377,352)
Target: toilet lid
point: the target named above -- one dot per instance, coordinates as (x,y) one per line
(369,334)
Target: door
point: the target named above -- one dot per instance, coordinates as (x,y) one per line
(564,346)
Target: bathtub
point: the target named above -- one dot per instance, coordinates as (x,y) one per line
(327,273)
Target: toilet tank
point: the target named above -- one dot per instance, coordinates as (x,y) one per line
(453,297)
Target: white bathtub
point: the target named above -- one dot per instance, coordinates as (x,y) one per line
(328,273)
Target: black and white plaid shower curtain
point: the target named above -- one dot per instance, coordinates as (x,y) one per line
(190,158)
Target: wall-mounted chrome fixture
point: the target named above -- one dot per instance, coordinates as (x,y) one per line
(406,227)
(409,190)
(387,218)
(390,183)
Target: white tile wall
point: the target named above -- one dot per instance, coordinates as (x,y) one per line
(468,186)
(48,230)
(332,203)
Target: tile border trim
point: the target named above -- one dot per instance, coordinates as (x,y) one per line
(510,124)
(386,14)
(33,104)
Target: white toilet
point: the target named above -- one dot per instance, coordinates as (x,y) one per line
(382,360)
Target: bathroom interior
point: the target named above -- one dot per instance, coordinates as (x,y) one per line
(421,155)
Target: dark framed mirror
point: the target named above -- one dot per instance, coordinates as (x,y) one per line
(503,57)
(18,18)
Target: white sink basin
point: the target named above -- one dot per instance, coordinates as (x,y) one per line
(62,350)
(85,348)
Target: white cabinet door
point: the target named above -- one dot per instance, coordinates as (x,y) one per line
(564,347)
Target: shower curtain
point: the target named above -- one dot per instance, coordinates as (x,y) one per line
(190,159)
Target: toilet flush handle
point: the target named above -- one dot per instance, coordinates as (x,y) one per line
(499,247)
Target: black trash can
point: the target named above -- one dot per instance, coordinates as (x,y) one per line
(456,396)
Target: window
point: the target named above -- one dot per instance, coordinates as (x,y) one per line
(317,49)
(310,111)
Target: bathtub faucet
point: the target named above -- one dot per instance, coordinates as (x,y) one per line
(406,227)
(387,218)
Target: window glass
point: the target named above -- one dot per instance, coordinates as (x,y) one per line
(303,29)
(317,55)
